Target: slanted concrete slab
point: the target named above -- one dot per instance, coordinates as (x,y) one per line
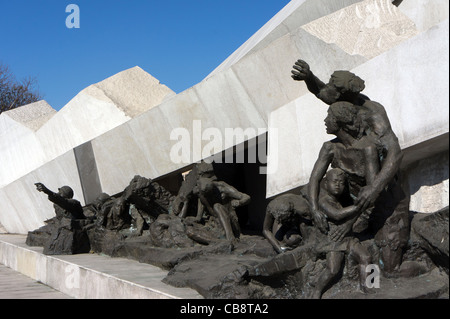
(33,115)
(413,85)
(239,97)
(429,184)
(89,276)
(41,134)
(144,144)
(134,91)
(20,148)
(23,208)
(294,160)
(43,141)
(425,13)
(295,14)
(119,158)
(367,28)
(101,107)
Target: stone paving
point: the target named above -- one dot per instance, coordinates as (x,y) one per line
(87,276)
(14,285)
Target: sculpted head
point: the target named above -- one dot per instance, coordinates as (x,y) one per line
(342,83)
(335,181)
(342,115)
(65,192)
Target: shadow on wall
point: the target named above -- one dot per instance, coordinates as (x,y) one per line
(243,172)
(432,172)
(2,229)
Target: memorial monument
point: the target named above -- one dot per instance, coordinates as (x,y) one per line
(353,215)
(364,208)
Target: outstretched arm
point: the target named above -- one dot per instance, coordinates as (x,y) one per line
(52,196)
(42,188)
(70,205)
(302,72)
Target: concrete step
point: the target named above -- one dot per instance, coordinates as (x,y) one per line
(14,285)
(89,276)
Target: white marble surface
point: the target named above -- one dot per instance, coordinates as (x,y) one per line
(367,28)
(23,208)
(40,137)
(425,13)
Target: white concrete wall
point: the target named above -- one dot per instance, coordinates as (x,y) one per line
(413,85)
(93,111)
(20,150)
(36,145)
(23,208)
(82,119)
(428,184)
(100,108)
(425,13)
(32,116)
(241,96)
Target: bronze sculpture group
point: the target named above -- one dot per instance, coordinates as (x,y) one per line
(354,193)
(368,151)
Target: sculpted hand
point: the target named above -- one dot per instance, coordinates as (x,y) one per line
(301,71)
(320,220)
(41,187)
(235,203)
(366,197)
(339,233)
(284,248)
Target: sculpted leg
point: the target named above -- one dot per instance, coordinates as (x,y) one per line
(334,264)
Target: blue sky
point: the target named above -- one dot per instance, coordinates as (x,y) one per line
(177,41)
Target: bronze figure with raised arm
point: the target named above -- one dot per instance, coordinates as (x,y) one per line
(391,203)
(63,202)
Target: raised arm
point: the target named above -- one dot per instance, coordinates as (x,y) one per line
(42,188)
(302,72)
(52,196)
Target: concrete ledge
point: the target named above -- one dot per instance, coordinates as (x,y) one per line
(89,276)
